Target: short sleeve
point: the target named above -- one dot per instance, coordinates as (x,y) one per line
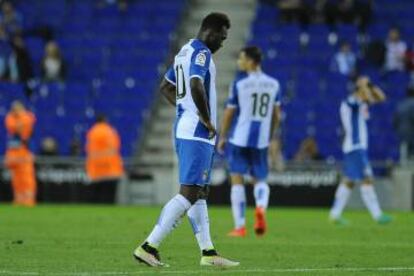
(278,96)
(170,75)
(233,100)
(200,62)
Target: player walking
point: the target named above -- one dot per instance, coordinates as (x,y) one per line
(357,169)
(255,102)
(190,86)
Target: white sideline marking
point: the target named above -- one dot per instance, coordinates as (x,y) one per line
(228,271)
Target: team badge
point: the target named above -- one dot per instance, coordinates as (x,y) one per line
(201,59)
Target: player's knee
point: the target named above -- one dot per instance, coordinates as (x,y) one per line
(349,184)
(191,193)
(368,181)
(236,184)
(204,192)
(236,179)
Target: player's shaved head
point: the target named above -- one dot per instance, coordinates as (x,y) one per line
(213,30)
(215,21)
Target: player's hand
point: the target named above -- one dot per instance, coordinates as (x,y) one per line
(211,130)
(220,145)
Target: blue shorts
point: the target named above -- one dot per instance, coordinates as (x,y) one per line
(195,160)
(357,166)
(244,160)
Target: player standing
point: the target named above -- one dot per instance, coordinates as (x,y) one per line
(354,115)
(255,101)
(190,86)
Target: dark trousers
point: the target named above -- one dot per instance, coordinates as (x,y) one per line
(103,191)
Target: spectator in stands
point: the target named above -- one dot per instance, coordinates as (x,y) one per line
(404,121)
(53,65)
(21,59)
(395,51)
(339,11)
(294,11)
(49,147)
(104,163)
(10,18)
(308,151)
(348,12)
(344,60)
(7,63)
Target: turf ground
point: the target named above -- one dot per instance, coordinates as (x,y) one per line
(86,240)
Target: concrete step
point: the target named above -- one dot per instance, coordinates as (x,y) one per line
(155,139)
(157,159)
(166,113)
(160,143)
(162,127)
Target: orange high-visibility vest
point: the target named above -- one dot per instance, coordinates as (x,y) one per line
(19,129)
(19,159)
(103,153)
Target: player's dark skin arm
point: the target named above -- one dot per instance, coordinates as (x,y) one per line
(225,126)
(168,90)
(191,192)
(194,192)
(199,97)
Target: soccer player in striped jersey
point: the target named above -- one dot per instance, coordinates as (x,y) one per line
(254,102)
(356,167)
(190,85)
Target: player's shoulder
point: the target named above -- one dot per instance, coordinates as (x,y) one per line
(199,47)
(201,54)
(350,102)
(270,79)
(240,77)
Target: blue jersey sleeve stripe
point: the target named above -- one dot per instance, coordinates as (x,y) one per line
(170,75)
(233,98)
(200,63)
(170,81)
(197,76)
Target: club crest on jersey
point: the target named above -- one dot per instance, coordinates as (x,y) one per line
(201,58)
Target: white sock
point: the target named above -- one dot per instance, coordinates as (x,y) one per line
(371,201)
(238,205)
(342,194)
(261,194)
(198,216)
(170,217)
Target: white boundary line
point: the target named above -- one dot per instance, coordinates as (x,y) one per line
(216,271)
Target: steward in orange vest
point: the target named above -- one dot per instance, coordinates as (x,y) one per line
(19,159)
(104,164)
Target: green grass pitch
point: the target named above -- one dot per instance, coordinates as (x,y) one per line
(88,240)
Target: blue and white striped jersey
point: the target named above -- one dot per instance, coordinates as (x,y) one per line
(194,60)
(354,115)
(254,95)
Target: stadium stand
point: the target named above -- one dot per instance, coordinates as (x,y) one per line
(112,67)
(312,93)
